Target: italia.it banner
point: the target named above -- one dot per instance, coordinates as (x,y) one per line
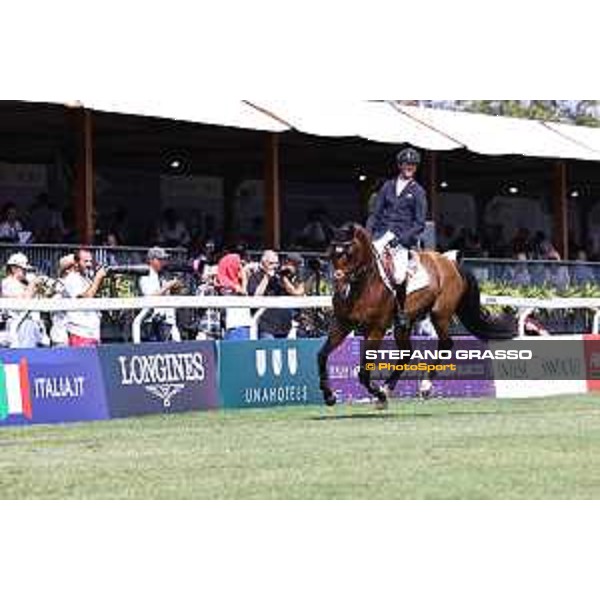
(51,386)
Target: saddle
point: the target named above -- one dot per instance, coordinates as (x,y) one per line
(416,275)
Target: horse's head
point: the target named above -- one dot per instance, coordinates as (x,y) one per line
(350,253)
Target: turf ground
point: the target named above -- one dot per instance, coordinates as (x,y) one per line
(479,449)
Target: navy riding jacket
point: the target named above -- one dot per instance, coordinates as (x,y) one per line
(403,215)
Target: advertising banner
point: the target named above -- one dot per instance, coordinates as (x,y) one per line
(558,367)
(50,386)
(343,369)
(269,373)
(159,378)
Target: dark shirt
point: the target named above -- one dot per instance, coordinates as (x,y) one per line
(276,321)
(404,215)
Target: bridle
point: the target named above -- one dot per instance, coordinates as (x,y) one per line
(342,249)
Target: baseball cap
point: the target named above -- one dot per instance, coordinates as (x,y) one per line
(294,258)
(157,253)
(19,260)
(66,262)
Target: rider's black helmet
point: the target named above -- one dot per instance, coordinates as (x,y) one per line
(409,156)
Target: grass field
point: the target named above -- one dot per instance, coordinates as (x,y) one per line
(481,449)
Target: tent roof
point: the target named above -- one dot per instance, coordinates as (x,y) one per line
(374,121)
(379,121)
(492,135)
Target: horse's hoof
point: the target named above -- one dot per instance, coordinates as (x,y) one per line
(330,399)
(425,390)
(382,395)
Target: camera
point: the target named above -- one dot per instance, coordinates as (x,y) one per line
(285,271)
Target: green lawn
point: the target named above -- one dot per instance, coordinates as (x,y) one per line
(482,449)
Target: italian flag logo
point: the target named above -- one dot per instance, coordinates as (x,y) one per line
(15,395)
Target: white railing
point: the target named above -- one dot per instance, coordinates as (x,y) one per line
(524,306)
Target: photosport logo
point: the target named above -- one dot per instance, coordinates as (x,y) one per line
(164,376)
(15,392)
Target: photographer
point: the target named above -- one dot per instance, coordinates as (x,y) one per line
(270,280)
(24,331)
(162,321)
(58,330)
(83,326)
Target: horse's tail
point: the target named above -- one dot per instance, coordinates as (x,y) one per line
(476,319)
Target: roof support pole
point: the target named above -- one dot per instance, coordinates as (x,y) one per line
(560,209)
(83,192)
(272,193)
(431,184)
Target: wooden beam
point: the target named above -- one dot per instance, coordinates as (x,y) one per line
(560,209)
(272,193)
(83,196)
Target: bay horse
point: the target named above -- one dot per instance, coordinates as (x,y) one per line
(363,303)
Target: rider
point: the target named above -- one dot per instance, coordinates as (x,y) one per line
(398,220)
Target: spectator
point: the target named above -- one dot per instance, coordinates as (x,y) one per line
(270,281)
(71,234)
(83,326)
(46,221)
(231,281)
(11,228)
(520,242)
(582,272)
(24,330)
(58,331)
(318,231)
(446,238)
(521,274)
(541,248)
(105,256)
(162,322)
(557,276)
(172,232)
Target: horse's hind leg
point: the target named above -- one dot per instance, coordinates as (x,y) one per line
(337,334)
(402,337)
(442,326)
(365,376)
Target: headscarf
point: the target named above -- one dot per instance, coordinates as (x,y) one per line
(228,272)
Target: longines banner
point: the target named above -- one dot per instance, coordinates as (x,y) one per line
(269,373)
(159,378)
(50,386)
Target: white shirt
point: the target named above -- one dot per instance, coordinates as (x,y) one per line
(13,288)
(20,336)
(150,286)
(84,323)
(10,230)
(401,183)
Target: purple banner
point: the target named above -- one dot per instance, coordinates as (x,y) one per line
(343,377)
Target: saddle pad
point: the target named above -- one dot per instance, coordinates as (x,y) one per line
(416,281)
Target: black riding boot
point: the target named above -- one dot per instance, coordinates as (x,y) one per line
(401,321)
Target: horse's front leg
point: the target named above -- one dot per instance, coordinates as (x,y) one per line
(337,334)
(365,375)
(402,338)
